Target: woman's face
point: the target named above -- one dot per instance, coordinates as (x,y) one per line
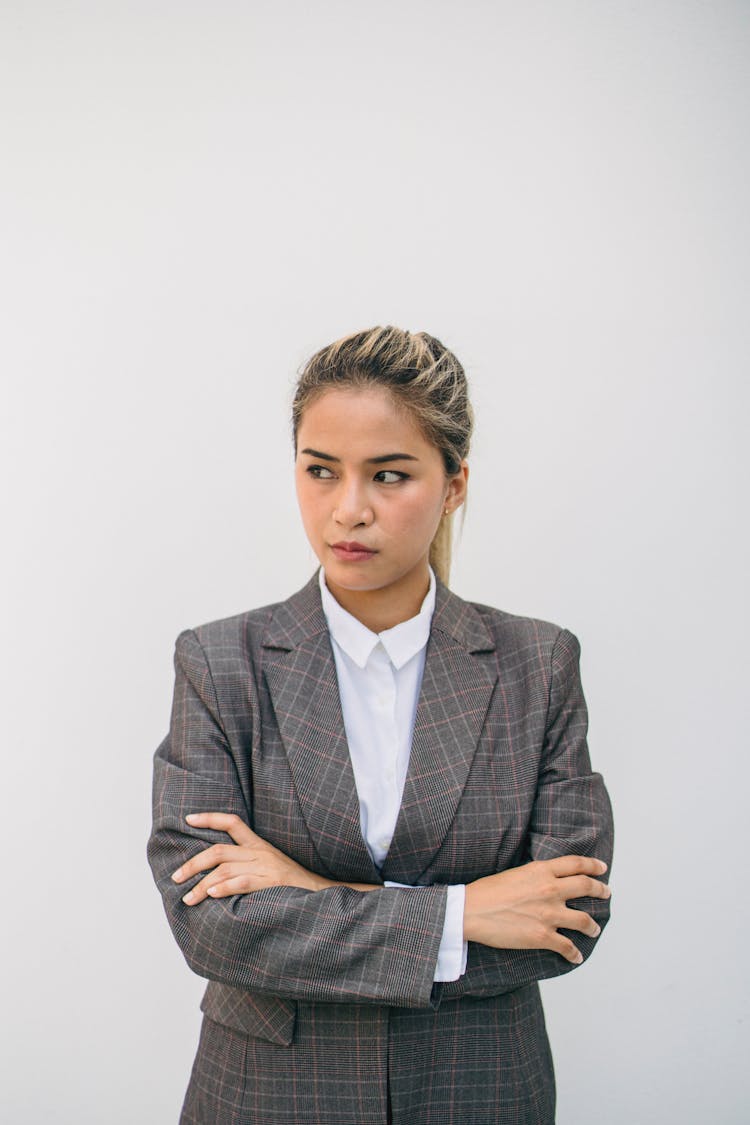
(372,490)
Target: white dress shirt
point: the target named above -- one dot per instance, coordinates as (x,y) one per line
(379,677)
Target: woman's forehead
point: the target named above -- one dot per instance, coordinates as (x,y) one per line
(353,416)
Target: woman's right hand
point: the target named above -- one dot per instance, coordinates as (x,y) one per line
(523,907)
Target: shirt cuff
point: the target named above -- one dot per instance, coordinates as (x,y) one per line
(451,961)
(453,951)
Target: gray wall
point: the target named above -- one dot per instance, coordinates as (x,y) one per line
(196,196)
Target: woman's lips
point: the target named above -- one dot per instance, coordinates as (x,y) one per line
(352,552)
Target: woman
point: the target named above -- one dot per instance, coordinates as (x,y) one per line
(375,806)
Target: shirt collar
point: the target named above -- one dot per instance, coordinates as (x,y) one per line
(401,643)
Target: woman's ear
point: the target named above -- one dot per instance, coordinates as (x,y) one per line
(457,487)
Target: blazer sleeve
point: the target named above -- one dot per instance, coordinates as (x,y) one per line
(333,945)
(571,815)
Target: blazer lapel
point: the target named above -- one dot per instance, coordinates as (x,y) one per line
(457,686)
(301,677)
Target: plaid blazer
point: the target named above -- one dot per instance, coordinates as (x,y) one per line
(321,1007)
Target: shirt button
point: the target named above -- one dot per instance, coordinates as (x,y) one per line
(385,843)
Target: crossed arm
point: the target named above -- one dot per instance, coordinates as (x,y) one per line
(261,930)
(520,908)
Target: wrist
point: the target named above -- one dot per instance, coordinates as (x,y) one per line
(468,913)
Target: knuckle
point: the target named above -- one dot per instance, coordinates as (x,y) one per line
(588,925)
(582,887)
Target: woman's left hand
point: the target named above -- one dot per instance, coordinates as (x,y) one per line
(249,864)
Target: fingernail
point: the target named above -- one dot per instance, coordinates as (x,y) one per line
(578,959)
(177,875)
(191,817)
(597,931)
(212,890)
(188,898)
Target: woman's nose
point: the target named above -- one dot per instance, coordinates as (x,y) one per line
(352,507)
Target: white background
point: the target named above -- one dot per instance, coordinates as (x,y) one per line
(194,198)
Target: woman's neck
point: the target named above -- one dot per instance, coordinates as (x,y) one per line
(384,608)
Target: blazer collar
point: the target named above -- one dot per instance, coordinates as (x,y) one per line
(457,685)
(301,616)
(401,642)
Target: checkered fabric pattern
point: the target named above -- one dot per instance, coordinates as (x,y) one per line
(321,1007)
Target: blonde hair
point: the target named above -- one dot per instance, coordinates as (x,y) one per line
(424,378)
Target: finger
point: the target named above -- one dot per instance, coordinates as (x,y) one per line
(196,894)
(558,943)
(223,822)
(576,865)
(203,861)
(581,921)
(229,879)
(239,885)
(582,886)
(202,888)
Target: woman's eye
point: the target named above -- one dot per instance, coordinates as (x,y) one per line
(320,472)
(390,476)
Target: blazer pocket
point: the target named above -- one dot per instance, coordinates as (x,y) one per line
(265,1017)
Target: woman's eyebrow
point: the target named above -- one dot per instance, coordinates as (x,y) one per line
(319,455)
(391,457)
(370,460)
